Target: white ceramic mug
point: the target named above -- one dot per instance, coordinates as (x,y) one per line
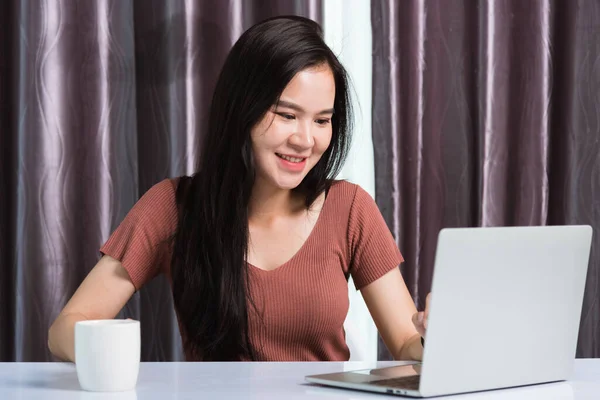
(107,354)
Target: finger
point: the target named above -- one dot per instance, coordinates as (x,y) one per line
(426,313)
(427,301)
(417,320)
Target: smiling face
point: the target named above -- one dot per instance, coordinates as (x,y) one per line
(293,135)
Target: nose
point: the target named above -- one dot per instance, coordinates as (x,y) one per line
(302,138)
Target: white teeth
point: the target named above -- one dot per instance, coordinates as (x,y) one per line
(290,159)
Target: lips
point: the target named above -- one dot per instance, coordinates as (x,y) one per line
(291,158)
(292,164)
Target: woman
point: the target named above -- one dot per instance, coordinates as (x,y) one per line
(259,244)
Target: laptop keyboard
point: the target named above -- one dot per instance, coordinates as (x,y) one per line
(406,382)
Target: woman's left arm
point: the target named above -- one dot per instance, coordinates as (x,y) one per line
(398,322)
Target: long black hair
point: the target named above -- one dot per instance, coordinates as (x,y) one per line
(209,270)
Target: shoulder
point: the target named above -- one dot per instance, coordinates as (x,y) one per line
(157,207)
(358,208)
(165,188)
(159,197)
(140,242)
(343,191)
(163,193)
(352,204)
(350,195)
(343,186)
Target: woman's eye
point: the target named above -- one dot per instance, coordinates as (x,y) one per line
(287,116)
(323,121)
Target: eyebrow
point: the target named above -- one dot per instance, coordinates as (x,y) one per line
(296,107)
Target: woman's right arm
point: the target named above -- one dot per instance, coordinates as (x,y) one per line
(101,295)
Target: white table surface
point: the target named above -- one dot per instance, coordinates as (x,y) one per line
(171,380)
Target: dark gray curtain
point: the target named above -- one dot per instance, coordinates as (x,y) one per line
(99,100)
(485,113)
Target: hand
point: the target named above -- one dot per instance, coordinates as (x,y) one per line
(419,319)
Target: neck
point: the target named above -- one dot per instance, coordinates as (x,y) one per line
(267,201)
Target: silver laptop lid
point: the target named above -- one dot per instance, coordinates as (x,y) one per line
(533,277)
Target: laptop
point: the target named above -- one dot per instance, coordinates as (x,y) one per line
(504,312)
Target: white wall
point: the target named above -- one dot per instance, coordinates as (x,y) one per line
(347,26)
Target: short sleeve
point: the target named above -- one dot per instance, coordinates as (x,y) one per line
(373,249)
(141,240)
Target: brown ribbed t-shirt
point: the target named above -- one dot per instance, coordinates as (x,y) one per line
(304,302)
